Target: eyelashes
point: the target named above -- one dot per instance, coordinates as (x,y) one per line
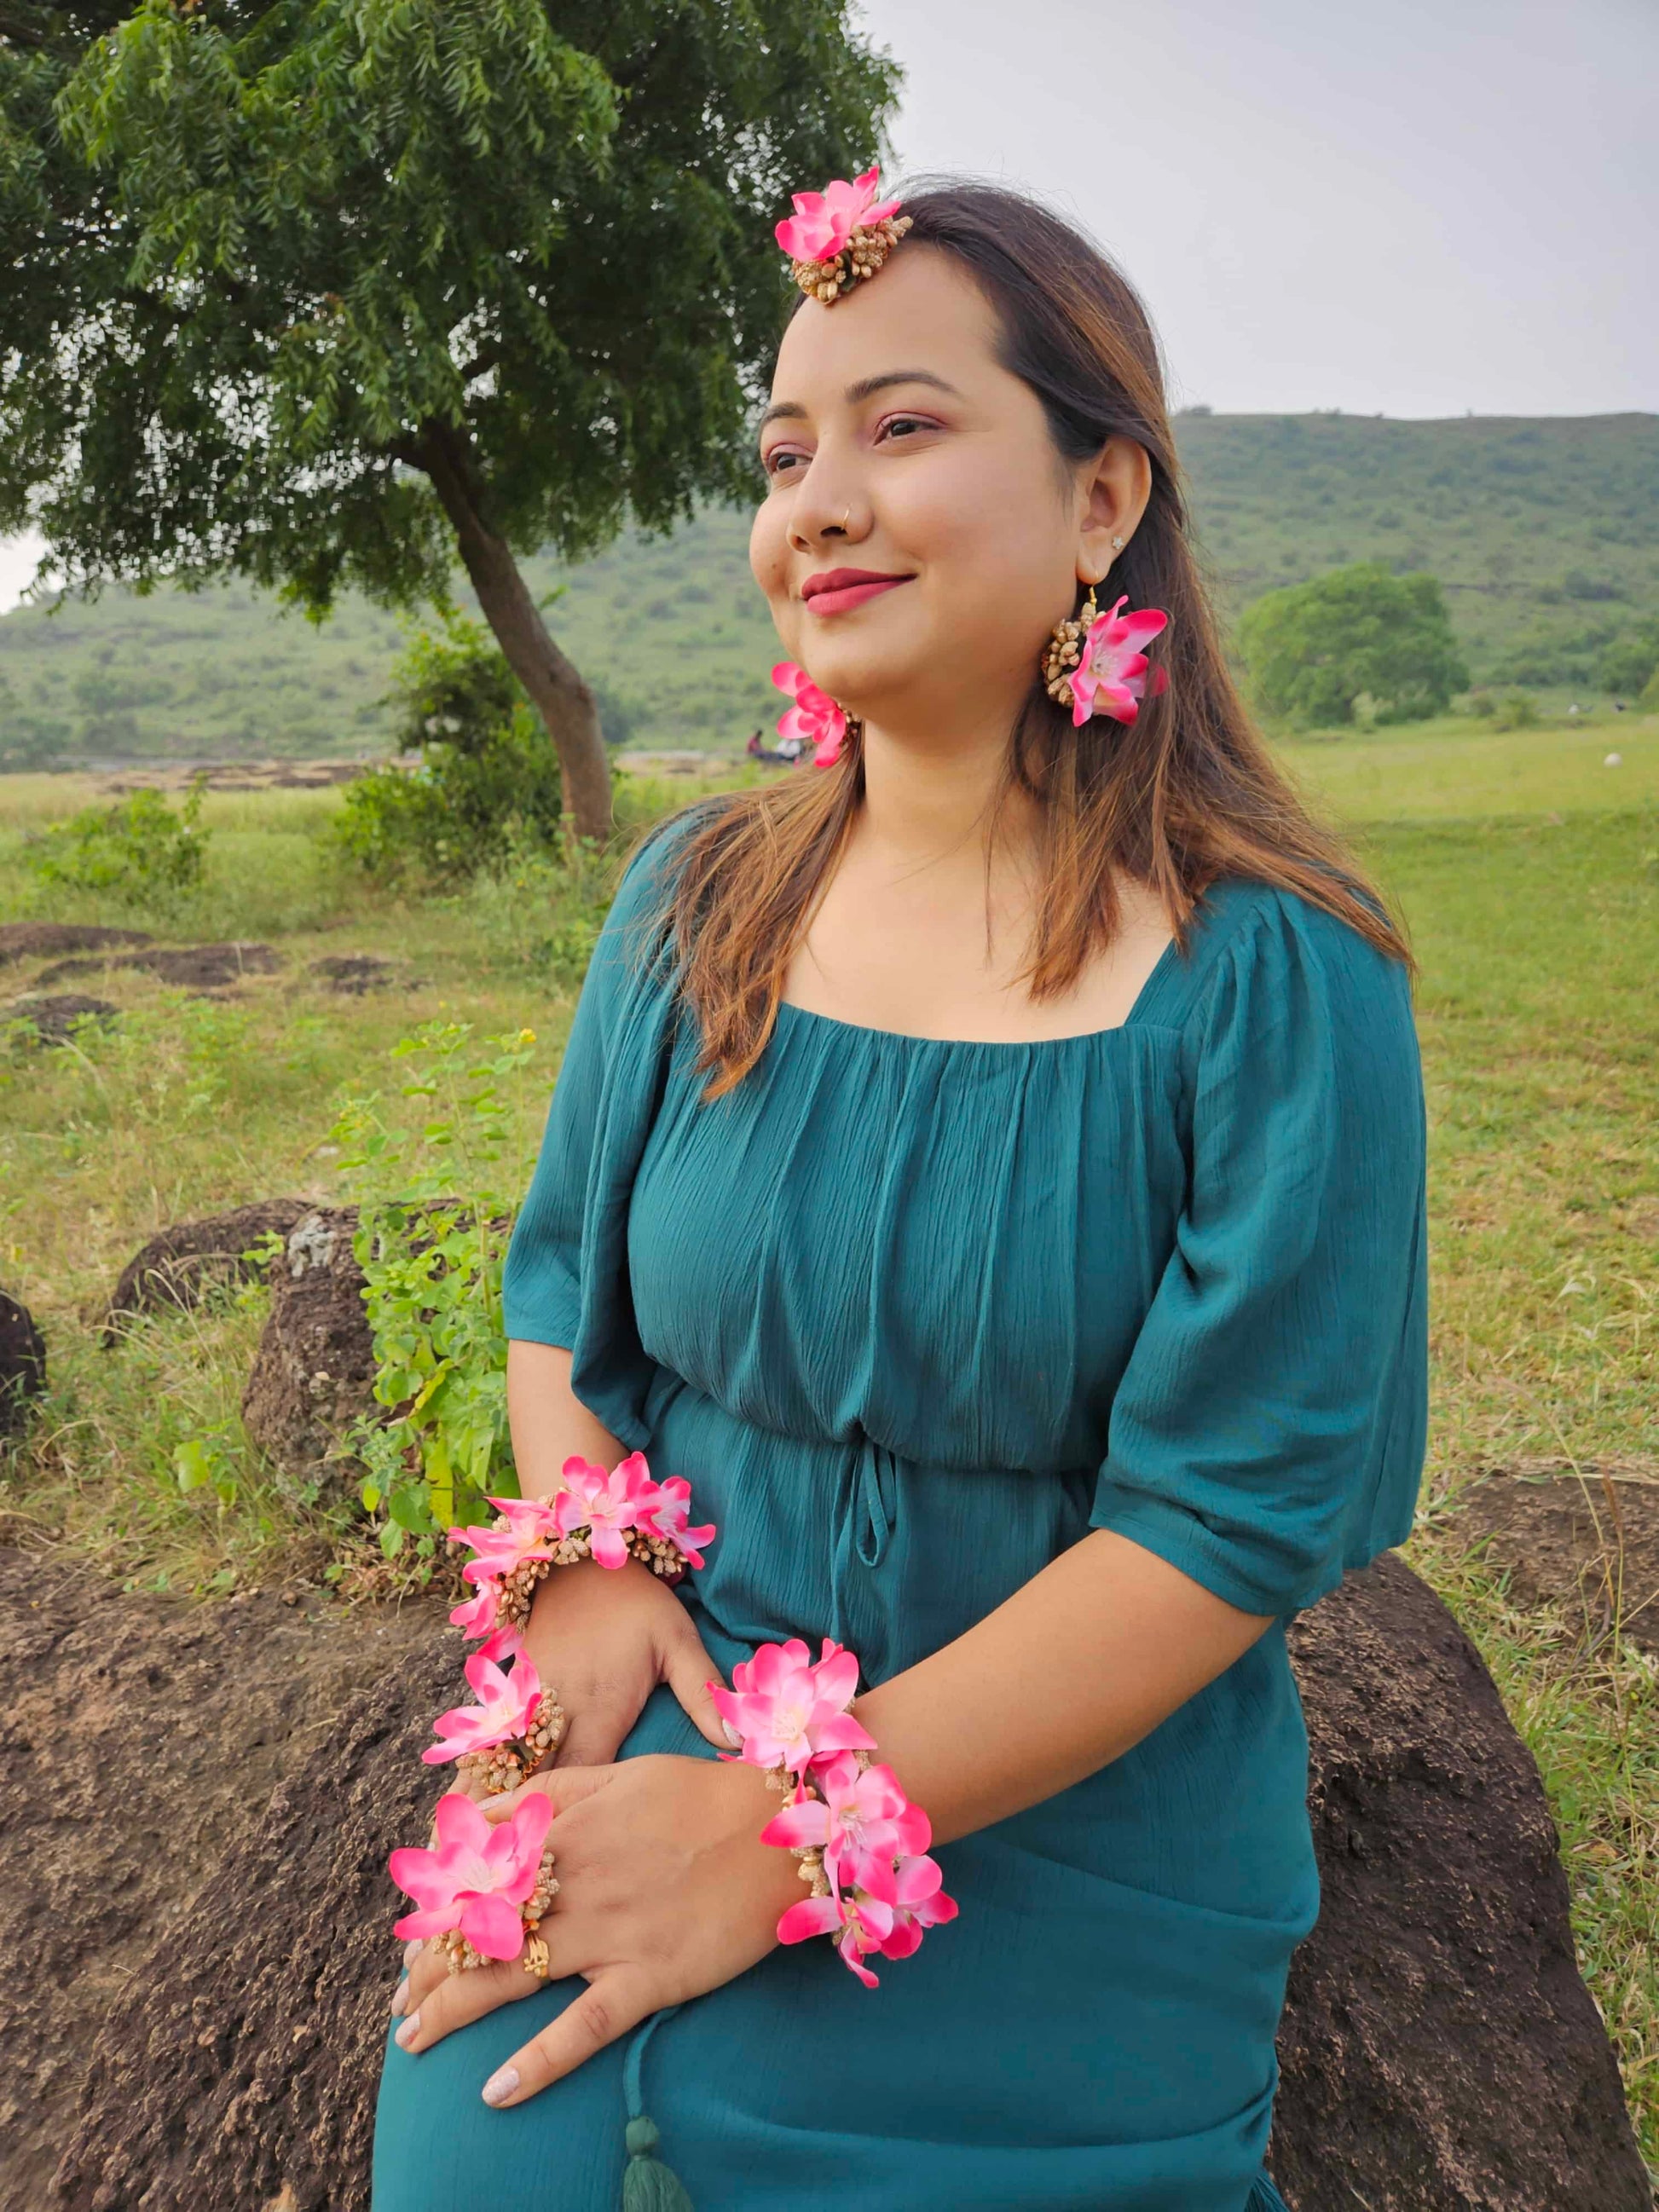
(907,424)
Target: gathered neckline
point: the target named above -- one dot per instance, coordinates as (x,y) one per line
(1165,959)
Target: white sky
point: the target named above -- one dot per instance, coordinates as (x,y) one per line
(1416,209)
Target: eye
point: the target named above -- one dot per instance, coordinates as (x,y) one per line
(903,426)
(784,461)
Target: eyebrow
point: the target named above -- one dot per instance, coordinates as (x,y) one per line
(866,387)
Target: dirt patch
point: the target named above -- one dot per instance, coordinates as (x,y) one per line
(187,966)
(187,1722)
(181,1265)
(1589,1543)
(352,974)
(239,776)
(40,940)
(53,1017)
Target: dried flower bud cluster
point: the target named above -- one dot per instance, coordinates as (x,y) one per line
(864,252)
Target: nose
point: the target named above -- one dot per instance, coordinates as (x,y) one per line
(825,515)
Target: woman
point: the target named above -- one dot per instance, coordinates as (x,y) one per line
(991,1170)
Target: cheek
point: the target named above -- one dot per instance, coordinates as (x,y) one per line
(994,545)
(769,550)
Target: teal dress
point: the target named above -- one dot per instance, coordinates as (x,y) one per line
(915,1316)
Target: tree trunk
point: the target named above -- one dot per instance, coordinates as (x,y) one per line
(564,702)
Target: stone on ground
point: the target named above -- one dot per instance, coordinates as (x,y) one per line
(42,940)
(313,1373)
(182,1265)
(56,1018)
(22,1366)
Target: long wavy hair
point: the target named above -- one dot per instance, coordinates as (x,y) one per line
(1186,795)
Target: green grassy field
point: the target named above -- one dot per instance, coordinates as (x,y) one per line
(677,634)
(1528,873)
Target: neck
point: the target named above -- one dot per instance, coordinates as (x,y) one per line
(929,792)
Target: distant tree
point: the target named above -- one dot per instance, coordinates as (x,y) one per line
(1315,650)
(322,292)
(1628,664)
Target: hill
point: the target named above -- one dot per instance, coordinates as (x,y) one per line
(1544,533)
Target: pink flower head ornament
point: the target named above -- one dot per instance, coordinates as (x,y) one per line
(814,719)
(840,236)
(1111,676)
(479,1878)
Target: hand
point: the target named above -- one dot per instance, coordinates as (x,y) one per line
(666,1891)
(602,1639)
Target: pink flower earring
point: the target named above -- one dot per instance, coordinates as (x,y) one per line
(814,719)
(1093,663)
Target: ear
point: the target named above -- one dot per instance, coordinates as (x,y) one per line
(1114,491)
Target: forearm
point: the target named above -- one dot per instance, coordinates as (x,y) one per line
(1066,1674)
(548,1420)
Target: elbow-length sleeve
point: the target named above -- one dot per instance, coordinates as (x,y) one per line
(1269,1428)
(566,1276)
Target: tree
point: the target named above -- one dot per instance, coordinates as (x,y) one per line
(321,292)
(1314,650)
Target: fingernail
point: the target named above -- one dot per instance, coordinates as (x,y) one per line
(412,1950)
(501,2085)
(402,1997)
(407,2034)
(498,1803)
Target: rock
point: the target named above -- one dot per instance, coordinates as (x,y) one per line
(39,940)
(1439,2052)
(1590,1545)
(187,966)
(22,1366)
(54,1017)
(186,1719)
(184,1263)
(313,1373)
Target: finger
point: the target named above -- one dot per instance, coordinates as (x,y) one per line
(459,1999)
(688,1670)
(565,1786)
(428,1971)
(615,2002)
(593,1737)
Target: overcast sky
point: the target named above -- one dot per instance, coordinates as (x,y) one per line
(1416,207)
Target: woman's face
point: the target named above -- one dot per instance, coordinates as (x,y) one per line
(899,448)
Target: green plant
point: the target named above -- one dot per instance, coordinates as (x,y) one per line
(1631,662)
(1315,650)
(1516,710)
(542,912)
(432,1224)
(140,852)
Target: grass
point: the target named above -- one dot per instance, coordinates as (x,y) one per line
(1528,873)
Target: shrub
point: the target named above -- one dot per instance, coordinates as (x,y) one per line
(487,776)
(1314,650)
(140,852)
(1629,662)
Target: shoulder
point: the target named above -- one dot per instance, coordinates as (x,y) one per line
(1246,932)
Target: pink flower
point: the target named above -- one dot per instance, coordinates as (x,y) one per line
(500,1552)
(1112,674)
(814,719)
(669,1519)
(476,1616)
(502,1714)
(479,1875)
(785,1711)
(823,223)
(504,1645)
(918,1903)
(864,1822)
(859,1925)
(607,1505)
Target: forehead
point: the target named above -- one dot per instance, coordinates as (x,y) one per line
(922,310)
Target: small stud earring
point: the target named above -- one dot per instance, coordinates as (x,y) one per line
(1117,545)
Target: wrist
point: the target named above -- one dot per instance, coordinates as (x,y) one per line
(764,1881)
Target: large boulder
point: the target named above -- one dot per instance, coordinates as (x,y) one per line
(185,1263)
(22,1366)
(313,1373)
(1440,2053)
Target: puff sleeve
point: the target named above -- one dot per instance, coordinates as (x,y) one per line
(1269,1428)
(566,1277)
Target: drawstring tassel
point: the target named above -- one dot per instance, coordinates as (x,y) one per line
(649,2186)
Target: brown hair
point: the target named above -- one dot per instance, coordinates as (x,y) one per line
(1186,795)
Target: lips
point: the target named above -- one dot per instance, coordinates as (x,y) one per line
(834,591)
